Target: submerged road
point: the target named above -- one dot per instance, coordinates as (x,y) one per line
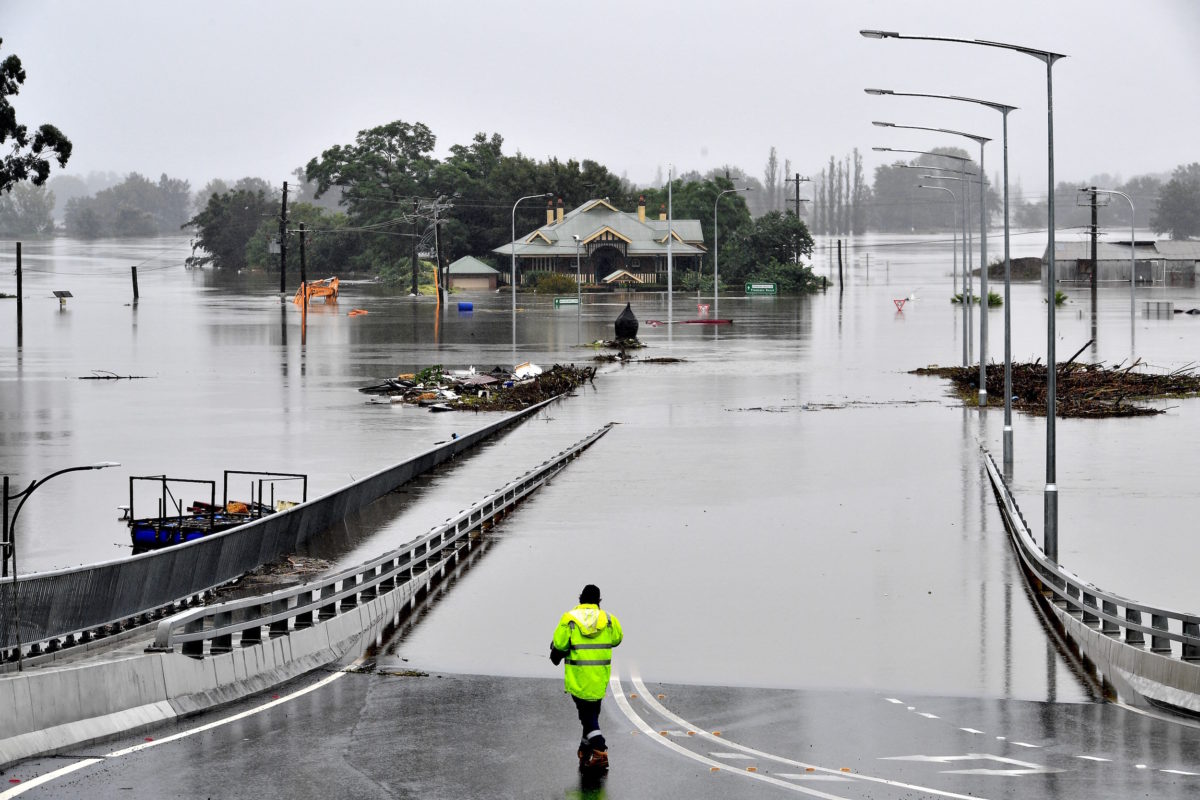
(384,730)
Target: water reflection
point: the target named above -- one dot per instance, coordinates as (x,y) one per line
(787,481)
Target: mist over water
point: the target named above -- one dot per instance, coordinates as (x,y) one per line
(786,506)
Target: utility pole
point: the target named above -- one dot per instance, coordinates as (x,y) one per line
(283,244)
(796,180)
(1095,258)
(416,237)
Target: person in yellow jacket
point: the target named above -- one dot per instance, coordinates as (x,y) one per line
(584,639)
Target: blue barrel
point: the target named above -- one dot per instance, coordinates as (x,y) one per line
(466,306)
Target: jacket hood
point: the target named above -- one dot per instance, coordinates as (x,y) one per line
(588,618)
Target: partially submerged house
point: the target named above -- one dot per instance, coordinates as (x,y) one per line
(612,246)
(1167,262)
(470,274)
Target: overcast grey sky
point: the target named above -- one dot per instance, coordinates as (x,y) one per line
(229,88)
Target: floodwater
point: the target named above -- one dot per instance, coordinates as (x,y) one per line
(786,507)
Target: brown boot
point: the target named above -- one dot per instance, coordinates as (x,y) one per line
(597,760)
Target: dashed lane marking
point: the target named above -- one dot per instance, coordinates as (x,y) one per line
(645,696)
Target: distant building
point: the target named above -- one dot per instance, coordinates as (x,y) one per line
(469,273)
(1168,262)
(614,246)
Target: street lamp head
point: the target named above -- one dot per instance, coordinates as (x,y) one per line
(104,464)
(879,124)
(869,34)
(575,236)
(878,91)
(882,149)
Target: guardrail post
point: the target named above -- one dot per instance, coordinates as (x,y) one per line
(253,635)
(350,600)
(327,611)
(194,649)
(369,593)
(222,643)
(1132,636)
(1072,592)
(1191,652)
(1089,601)
(279,627)
(1159,644)
(1107,626)
(304,619)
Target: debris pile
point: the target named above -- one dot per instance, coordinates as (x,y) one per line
(468,390)
(1081,390)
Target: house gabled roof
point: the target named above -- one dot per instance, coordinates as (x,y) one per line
(469,265)
(598,217)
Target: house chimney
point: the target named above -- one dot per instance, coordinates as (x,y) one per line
(560,210)
(641,208)
(662,212)
(549,212)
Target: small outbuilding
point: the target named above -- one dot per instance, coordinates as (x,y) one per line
(470,274)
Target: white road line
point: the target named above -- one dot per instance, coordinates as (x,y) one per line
(1179,772)
(927,715)
(644,727)
(970,730)
(1026,744)
(648,698)
(1093,758)
(32,783)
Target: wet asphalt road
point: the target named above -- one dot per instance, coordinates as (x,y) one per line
(395,732)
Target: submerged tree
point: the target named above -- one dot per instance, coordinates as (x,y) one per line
(29,157)
(1178,209)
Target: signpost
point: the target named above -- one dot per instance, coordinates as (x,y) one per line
(566,301)
(762,288)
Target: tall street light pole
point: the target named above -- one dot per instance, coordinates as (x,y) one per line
(1050,495)
(578,293)
(8,541)
(513,267)
(1004,110)
(717,253)
(670,225)
(966,239)
(983,266)
(969,288)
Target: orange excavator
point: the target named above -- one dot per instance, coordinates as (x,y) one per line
(327,288)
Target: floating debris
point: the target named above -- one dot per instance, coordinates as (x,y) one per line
(468,390)
(1081,390)
(105,375)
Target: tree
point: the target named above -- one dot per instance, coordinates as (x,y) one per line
(226,226)
(27,210)
(1178,209)
(135,207)
(29,157)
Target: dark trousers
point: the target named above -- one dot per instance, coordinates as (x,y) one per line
(589,719)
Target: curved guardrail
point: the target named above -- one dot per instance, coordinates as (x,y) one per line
(61,608)
(1111,630)
(311,603)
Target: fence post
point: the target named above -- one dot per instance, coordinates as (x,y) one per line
(1191,652)
(1107,626)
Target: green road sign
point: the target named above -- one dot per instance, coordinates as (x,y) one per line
(761,288)
(566,301)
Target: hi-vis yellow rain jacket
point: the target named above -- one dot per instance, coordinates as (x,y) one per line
(587,635)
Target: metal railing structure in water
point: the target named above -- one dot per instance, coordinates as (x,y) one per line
(407,570)
(65,607)
(1110,631)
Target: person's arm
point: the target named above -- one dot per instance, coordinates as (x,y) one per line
(560,644)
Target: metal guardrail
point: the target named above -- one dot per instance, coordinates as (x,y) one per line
(1170,633)
(64,607)
(312,603)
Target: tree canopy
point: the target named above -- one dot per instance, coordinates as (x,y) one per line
(135,207)
(1178,209)
(29,156)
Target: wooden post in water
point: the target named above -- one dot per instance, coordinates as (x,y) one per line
(841,283)
(303,289)
(135,286)
(20,302)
